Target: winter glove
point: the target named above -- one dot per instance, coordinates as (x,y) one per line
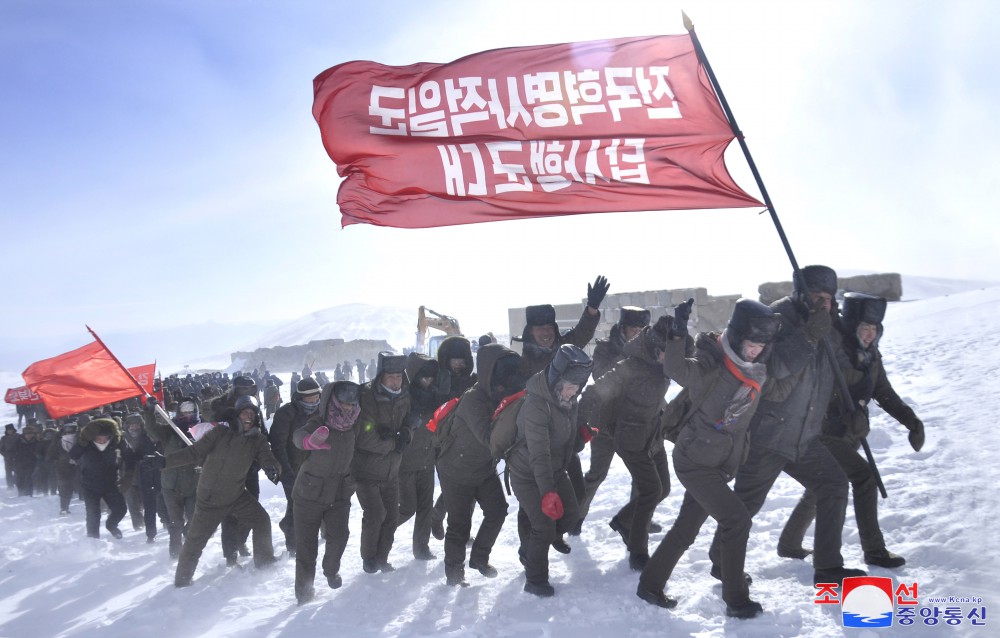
(552,505)
(596,291)
(588,433)
(272,472)
(151,402)
(317,440)
(385,433)
(916,429)
(682,312)
(403,438)
(817,325)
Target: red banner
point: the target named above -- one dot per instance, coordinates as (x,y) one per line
(144,375)
(80,380)
(21,396)
(602,126)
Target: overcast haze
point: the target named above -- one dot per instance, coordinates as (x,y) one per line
(161,166)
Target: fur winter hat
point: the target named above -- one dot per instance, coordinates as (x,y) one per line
(541,315)
(389,363)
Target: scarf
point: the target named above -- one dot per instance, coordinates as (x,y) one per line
(750,375)
(338,417)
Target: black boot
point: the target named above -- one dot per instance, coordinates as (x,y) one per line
(542,590)
(836,575)
(884,558)
(657,598)
(746,609)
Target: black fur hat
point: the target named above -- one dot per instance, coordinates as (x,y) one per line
(391,363)
(541,315)
(818,279)
(634,316)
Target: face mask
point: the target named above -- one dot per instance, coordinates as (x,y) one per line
(308,408)
(102,446)
(69,438)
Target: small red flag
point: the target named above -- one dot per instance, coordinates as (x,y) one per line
(144,375)
(80,380)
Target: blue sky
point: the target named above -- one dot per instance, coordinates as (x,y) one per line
(161,167)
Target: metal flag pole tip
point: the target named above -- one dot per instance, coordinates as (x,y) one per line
(688,25)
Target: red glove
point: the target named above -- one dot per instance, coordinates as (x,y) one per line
(552,506)
(588,433)
(317,440)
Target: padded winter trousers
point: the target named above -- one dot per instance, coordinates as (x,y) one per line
(816,470)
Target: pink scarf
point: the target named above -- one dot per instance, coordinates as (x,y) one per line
(338,417)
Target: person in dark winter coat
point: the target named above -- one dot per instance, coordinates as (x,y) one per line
(324,486)
(178,485)
(861,364)
(784,435)
(233,535)
(7,443)
(607,353)
(67,471)
(547,435)
(627,400)
(225,454)
(45,479)
(725,379)
(540,342)
(541,339)
(272,397)
(416,470)
(142,458)
(467,469)
(454,358)
(97,452)
(27,452)
(289,418)
(382,437)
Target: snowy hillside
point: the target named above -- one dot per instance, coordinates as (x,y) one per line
(942,355)
(349,321)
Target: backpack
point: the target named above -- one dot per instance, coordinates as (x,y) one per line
(440,424)
(503,426)
(678,412)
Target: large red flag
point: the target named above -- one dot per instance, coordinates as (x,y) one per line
(80,380)
(610,125)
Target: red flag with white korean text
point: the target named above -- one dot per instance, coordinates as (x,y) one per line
(21,395)
(80,380)
(612,125)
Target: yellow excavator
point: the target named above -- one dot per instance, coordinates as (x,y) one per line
(427,319)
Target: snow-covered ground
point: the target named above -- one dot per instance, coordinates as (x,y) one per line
(942,354)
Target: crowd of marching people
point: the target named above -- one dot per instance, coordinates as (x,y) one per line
(760,398)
